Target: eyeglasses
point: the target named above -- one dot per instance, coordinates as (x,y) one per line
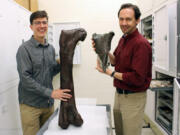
(39,22)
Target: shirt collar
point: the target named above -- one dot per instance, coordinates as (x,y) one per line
(130,35)
(37,44)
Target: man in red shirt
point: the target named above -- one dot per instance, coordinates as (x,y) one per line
(133,64)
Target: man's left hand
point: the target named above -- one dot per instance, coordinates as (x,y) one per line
(98,67)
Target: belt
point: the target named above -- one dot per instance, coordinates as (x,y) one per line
(123,91)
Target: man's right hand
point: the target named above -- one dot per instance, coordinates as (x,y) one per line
(61,94)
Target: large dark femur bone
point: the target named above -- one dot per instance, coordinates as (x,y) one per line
(102,47)
(68,112)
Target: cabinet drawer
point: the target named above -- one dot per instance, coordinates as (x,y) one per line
(161,85)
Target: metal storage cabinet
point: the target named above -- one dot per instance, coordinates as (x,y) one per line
(167,62)
(176,118)
(147,31)
(165,30)
(164,108)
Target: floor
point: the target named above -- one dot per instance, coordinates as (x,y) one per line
(145,131)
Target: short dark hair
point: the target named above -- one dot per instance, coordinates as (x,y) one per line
(38,14)
(137,12)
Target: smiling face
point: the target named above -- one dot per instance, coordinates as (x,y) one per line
(127,20)
(39,27)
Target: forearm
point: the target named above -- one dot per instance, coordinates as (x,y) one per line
(116,75)
(32,85)
(56,69)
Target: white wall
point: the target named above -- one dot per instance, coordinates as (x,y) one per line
(14,22)
(98,16)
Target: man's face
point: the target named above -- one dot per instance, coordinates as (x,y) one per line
(39,27)
(127,20)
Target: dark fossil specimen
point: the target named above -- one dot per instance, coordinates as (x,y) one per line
(68,112)
(103,46)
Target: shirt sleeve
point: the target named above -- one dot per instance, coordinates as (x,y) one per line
(24,66)
(140,63)
(56,68)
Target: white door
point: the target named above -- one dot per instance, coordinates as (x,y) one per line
(161,38)
(165,42)
(14,29)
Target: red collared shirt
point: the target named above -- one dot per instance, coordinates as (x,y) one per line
(133,57)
